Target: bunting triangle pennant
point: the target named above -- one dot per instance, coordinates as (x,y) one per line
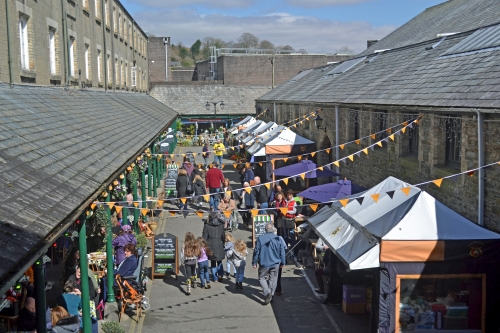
(344,160)
(242,146)
(210,166)
(379,143)
(172,212)
(206,197)
(357,141)
(260,163)
(299,157)
(248,189)
(254,212)
(285,159)
(321,168)
(389,130)
(232,148)
(285,180)
(403,130)
(247,164)
(294,179)
(136,204)
(118,209)
(92,206)
(183,155)
(268,185)
(410,125)
(110,204)
(344,202)
(314,207)
(183,200)
(398,133)
(373,136)
(303,176)
(365,151)
(470,173)
(144,211)
(405,123)
(194,154)
(406,190)
(438,182)
(454,178)
(199,213)
(342,146)
(358,154)
(283,210)
(160,203)
(185,213)
(313,153)
(222,166)
(294,125)
(235,165)
(386,139)
(416,121)
(390,194)
(375,196)
(227,213)
(171,201)
(391,137)
(337,163)
(328,150)
(229,193)
(351,157)
(360,200)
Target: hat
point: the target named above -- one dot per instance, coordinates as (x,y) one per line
(126,227)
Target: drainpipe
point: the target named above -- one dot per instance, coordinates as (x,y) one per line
(274,109)
(112,37)
(337,140)
(9,46)
(480,152)
(65,44)
(105,51)
(133,54)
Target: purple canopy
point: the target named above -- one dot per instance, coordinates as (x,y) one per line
(325,192)
(304,166)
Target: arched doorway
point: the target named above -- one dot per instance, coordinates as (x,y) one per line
(324,157)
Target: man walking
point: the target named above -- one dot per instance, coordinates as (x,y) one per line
(269,253)
(219,151)
(261,196)
(206,154)
(214,179)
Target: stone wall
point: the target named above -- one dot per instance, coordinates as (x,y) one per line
(395,158)
(159,59)
(182,74)
(125,44)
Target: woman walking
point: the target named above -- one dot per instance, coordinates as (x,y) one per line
(229,246)
(199,190)
(203,262)
(181,185)
(238,259)
(213,234)
(189,256)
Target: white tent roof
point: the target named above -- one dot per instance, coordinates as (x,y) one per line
(245,122)
(250,128)
(249,140)
(276,138)
(354,232)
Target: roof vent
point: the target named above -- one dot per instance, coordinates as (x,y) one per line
(446,34)
(380,51)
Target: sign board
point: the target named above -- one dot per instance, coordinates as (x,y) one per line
(165,257)
(259,226)
(171,180)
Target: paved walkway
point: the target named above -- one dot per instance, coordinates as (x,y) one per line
(223,308)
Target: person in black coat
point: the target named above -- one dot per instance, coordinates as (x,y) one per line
(181,186)
(199,190)
(213,234)
(248,200)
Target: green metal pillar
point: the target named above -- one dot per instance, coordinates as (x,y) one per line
(41,321)
(124,209)
(143,194)
(109,255)
(150,178)
(136,209)
(84,270)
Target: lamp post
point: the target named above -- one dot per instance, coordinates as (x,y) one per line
(196,127)
(318,121)
(215,106)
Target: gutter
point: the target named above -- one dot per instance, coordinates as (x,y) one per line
(480,152)
(9,43)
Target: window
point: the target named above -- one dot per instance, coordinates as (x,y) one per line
(356,125)
(117,79)
(126,74)
(85,4)
(382,126)
(119,23)
(122,76)
(413,141)
(106,12)
(72,56)
(97,4)
(23,39)
(99,65)
(453,140)
(132,76)
(87,62)
(52,51)
(108,61)
(114,20)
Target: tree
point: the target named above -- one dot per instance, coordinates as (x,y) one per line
(195,48)
(208,42)
(248,40)
(265,44)
(183,52)
(345,50)
(302,51)
(284,48)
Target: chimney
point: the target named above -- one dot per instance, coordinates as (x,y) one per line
(371,42)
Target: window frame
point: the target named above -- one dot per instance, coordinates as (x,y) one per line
(24,42)
(52,51)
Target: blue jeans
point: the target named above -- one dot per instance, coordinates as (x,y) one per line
(240,272)
(263,205)
(218,159)
(204,275)
(215,198)
(228,267)
(217,269)
(183,206)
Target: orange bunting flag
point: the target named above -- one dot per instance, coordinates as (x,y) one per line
(199,213)
(302,175)
(313,153)
(337,163)
(222,166)
(194,154)
(470,173)
(285,159)
(229,193)
(375,197)
(299,157)
(314,207)
(389,130)
(351,157)
(357,141)
(342,146)
(379,143)
(365,151)
(403,130)
(160,203)
(272,162)
(110,204)
(283,210)
(405,123)
(307,118)
(242,146)
(136,204)
(406,190)
(210,166)
(254,212)
(416,121)
(183,155)
(235,165)
(373,136)
(328,150)
(438,182)
(247,165)
(204,154)
(227,213)
(172,212)
(320,168)
(391,137)
(260,163)
(183,200)
(248,189)
(92,206)
(285,180)
(144,211)
(118,209)
(232,148)
(294,125)
(268,185)
(206,197)
(344,202)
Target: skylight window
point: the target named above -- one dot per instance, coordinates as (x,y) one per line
(345,66)
(300,75)
(482,40)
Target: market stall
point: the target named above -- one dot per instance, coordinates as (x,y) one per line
(435,269)
(248,120)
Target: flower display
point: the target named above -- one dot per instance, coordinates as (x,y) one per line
(119,192)
(142,165)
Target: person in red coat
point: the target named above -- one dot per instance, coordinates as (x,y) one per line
(214,179)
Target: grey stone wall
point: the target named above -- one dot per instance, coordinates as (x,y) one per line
(159,59)
(126,43)
(183,74)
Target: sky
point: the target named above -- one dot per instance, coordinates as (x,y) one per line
(318,26)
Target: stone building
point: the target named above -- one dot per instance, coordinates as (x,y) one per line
(444,66)
(159,57)
(92,42)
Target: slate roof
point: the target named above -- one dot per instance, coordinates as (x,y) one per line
(191,100)
(58,149)
(410,75)
(448,17)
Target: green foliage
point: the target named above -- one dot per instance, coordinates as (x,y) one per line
(133,175)
(101,217)
(112,327)
(186,63)
(195,48)
(183,52)
(189,129)
(178,125)
(142,241)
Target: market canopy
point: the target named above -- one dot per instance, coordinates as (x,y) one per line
(281,141)
(250,129)
(248,120)
(392,225)
(305,166)
(249,140)
(335,190)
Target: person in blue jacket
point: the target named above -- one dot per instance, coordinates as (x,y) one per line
(127,266)
(269,253)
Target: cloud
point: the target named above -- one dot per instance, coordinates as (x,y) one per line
(321,3)
(301,32)
(186,3)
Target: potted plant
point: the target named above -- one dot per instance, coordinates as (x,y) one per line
(142,242)
(112,327)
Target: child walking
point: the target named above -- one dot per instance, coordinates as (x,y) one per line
(229,246)
(204,253)
(238,258)
(189,255)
